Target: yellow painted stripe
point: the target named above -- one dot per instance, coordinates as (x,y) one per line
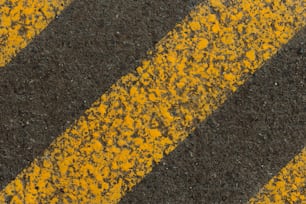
(147,113)
(22,20)
(289,186)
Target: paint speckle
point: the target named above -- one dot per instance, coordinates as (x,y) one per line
(145,115)
(21,20)
(288,186)
(251,55)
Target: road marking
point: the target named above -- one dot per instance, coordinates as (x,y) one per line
(289,186)
(147,113)
(22,20)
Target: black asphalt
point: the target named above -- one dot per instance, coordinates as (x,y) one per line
(92,44)
(243,144)
(76,59)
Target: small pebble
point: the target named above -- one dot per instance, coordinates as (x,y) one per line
(301,51)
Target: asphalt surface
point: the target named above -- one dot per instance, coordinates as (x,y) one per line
(243,144)
(77,58)
(69,65)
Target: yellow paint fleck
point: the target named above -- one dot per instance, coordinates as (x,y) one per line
(229,77)
(217,4)
(227,39)
(203,44)
(251,55)
(288,186)
(216,28)
(155,133)
(195,26)
(22,20)
(145,115)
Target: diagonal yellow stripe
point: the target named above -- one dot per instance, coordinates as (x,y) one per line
(147,113)
(22,20)
(289,186)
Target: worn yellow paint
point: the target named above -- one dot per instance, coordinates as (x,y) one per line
(289,186)
(147,113)
(22,20)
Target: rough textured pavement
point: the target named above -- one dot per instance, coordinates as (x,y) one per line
(76,59)
(92,44)
(243,144)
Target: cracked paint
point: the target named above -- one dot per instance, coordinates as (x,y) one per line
(148,112)
(288,186)
(22,20)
